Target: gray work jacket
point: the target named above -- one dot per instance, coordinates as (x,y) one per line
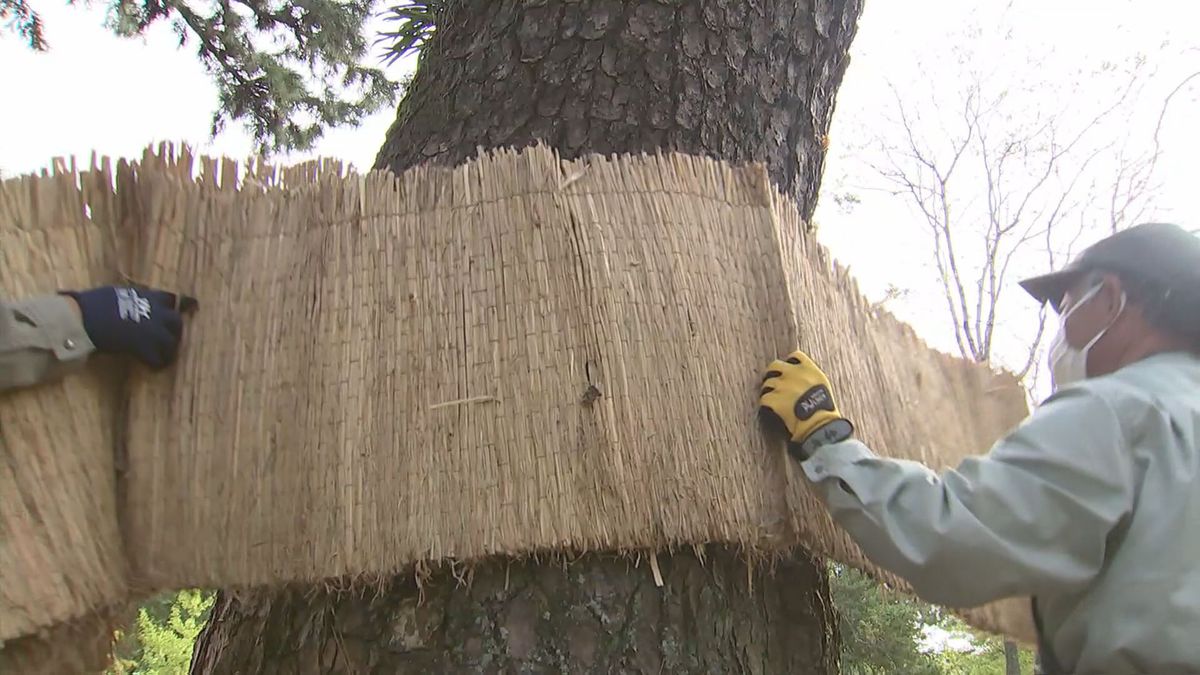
(41,339)
(1092,505)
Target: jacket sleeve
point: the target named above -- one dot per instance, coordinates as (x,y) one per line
(41,339)
(1031,516)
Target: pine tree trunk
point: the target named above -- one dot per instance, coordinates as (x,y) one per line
(1012,658)
(739,80)
(595,614)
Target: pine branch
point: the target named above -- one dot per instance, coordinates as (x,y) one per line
(18,17)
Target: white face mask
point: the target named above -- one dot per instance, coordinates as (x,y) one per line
(1068,365)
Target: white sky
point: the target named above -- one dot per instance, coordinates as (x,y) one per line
(94,92)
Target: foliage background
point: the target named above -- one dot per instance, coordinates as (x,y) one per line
(161,639)
(881,632)
(887,633)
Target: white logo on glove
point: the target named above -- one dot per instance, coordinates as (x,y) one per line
(131,306)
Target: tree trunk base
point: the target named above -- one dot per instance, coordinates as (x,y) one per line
(1012,658)
(598,613)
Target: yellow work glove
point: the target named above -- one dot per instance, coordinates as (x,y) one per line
(796,395)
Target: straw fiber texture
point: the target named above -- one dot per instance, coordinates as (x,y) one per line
(80,646)
(521,354)
(60,549)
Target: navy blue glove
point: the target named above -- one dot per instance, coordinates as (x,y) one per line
(144,323)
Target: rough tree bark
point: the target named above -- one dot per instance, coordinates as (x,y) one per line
(595,614)
(1012,658)
(740,80)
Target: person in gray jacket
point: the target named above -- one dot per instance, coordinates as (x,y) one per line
(45,337)
(1091,506)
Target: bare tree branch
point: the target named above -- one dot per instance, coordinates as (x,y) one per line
(1162,113)
(1032,358)
(1010,184)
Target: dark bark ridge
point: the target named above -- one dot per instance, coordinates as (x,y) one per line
(738,80)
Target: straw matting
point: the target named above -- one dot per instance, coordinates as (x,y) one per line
(60,549)
(520,354)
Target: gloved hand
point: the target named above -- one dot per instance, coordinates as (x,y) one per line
(796,396)
(144,323)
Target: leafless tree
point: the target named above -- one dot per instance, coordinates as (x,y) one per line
(997,186)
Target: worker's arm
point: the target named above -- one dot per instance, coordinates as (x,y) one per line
(40,339)
(1032,516)
(47,336)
